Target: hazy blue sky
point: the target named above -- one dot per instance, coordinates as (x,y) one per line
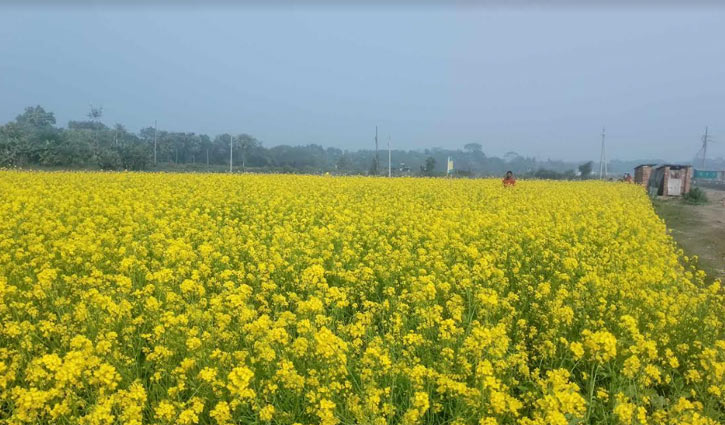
(539,82)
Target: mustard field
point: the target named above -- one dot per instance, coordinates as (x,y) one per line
(215,299)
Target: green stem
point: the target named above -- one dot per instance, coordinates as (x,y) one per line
(592,382)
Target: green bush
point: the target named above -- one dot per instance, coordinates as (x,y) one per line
(696,196)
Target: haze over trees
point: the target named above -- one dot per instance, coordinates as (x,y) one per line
(586,169)
(33,139)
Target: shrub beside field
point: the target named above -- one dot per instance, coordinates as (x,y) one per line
(162,298)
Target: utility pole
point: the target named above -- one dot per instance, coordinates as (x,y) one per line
(155,141)
(704,148)
(231,140)
(390,169)
(603,159)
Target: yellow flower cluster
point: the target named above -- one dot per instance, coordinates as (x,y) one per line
(216,299)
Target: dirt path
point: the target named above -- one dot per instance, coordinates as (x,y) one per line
(699,229)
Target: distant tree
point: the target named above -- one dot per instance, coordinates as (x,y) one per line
(95,114)
(76,148)
(86,125)
(473,148)
(586,169)
(135,155)
(246,143)
(374,167)
(429,168)
(108,159)
(206,146)
(36,117)
(342,163)
(220,149)
(332,158)
(103,140)
(38,135)
(11,144)
(511,156)
(543,173)
(33,139)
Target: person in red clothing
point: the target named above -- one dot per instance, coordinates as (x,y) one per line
(509,180)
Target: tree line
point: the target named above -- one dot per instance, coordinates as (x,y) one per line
(34,140)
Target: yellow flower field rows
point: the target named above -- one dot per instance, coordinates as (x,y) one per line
(185,299)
